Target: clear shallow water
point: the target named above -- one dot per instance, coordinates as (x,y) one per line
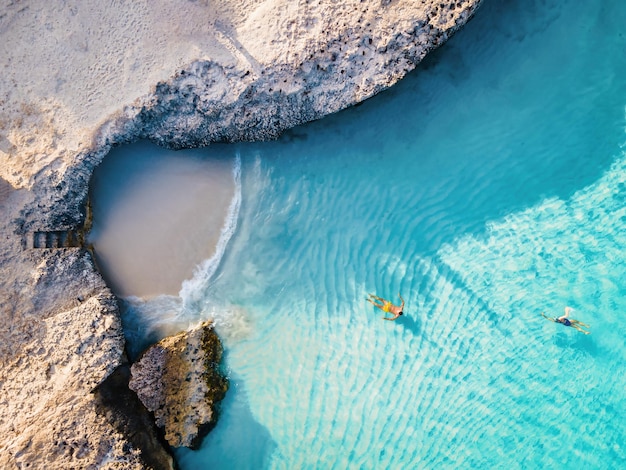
(487,187)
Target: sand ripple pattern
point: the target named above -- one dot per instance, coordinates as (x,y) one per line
(472,376)
(489,198)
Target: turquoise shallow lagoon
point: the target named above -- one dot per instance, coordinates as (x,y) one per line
(487,187)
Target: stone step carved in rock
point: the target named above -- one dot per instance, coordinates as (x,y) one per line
(55,239)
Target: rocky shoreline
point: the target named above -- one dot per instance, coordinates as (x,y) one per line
(273,66)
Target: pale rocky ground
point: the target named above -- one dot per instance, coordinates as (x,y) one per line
(81,76)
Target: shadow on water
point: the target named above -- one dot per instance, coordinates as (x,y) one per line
(410,324)
(239,440)
(577,341)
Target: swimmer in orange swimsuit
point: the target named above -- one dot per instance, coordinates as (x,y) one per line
(387,306)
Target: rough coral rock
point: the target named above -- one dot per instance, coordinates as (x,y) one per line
(80,77)
(179,380)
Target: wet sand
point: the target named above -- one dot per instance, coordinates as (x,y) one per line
(157,214)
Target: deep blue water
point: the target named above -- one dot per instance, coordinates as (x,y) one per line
(486,187)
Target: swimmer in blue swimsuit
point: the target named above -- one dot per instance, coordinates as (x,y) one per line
(564,320)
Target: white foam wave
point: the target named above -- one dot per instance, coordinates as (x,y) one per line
(148,321)
(192,290)
(231,322)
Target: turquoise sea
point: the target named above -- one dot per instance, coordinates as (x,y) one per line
(486,187)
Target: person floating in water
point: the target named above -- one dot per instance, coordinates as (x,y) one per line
(387,306)
(565,320)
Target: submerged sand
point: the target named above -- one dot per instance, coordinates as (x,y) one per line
(157,214)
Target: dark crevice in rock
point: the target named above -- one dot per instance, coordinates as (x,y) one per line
(123,409)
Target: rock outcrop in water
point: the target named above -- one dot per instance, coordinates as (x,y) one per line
(178,379)
(81,77)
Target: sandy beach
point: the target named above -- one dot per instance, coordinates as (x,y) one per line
(157,214)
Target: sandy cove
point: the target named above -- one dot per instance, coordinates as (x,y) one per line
(80,77)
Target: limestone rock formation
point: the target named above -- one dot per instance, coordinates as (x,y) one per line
(80,77)
(67,341)
(179,380)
